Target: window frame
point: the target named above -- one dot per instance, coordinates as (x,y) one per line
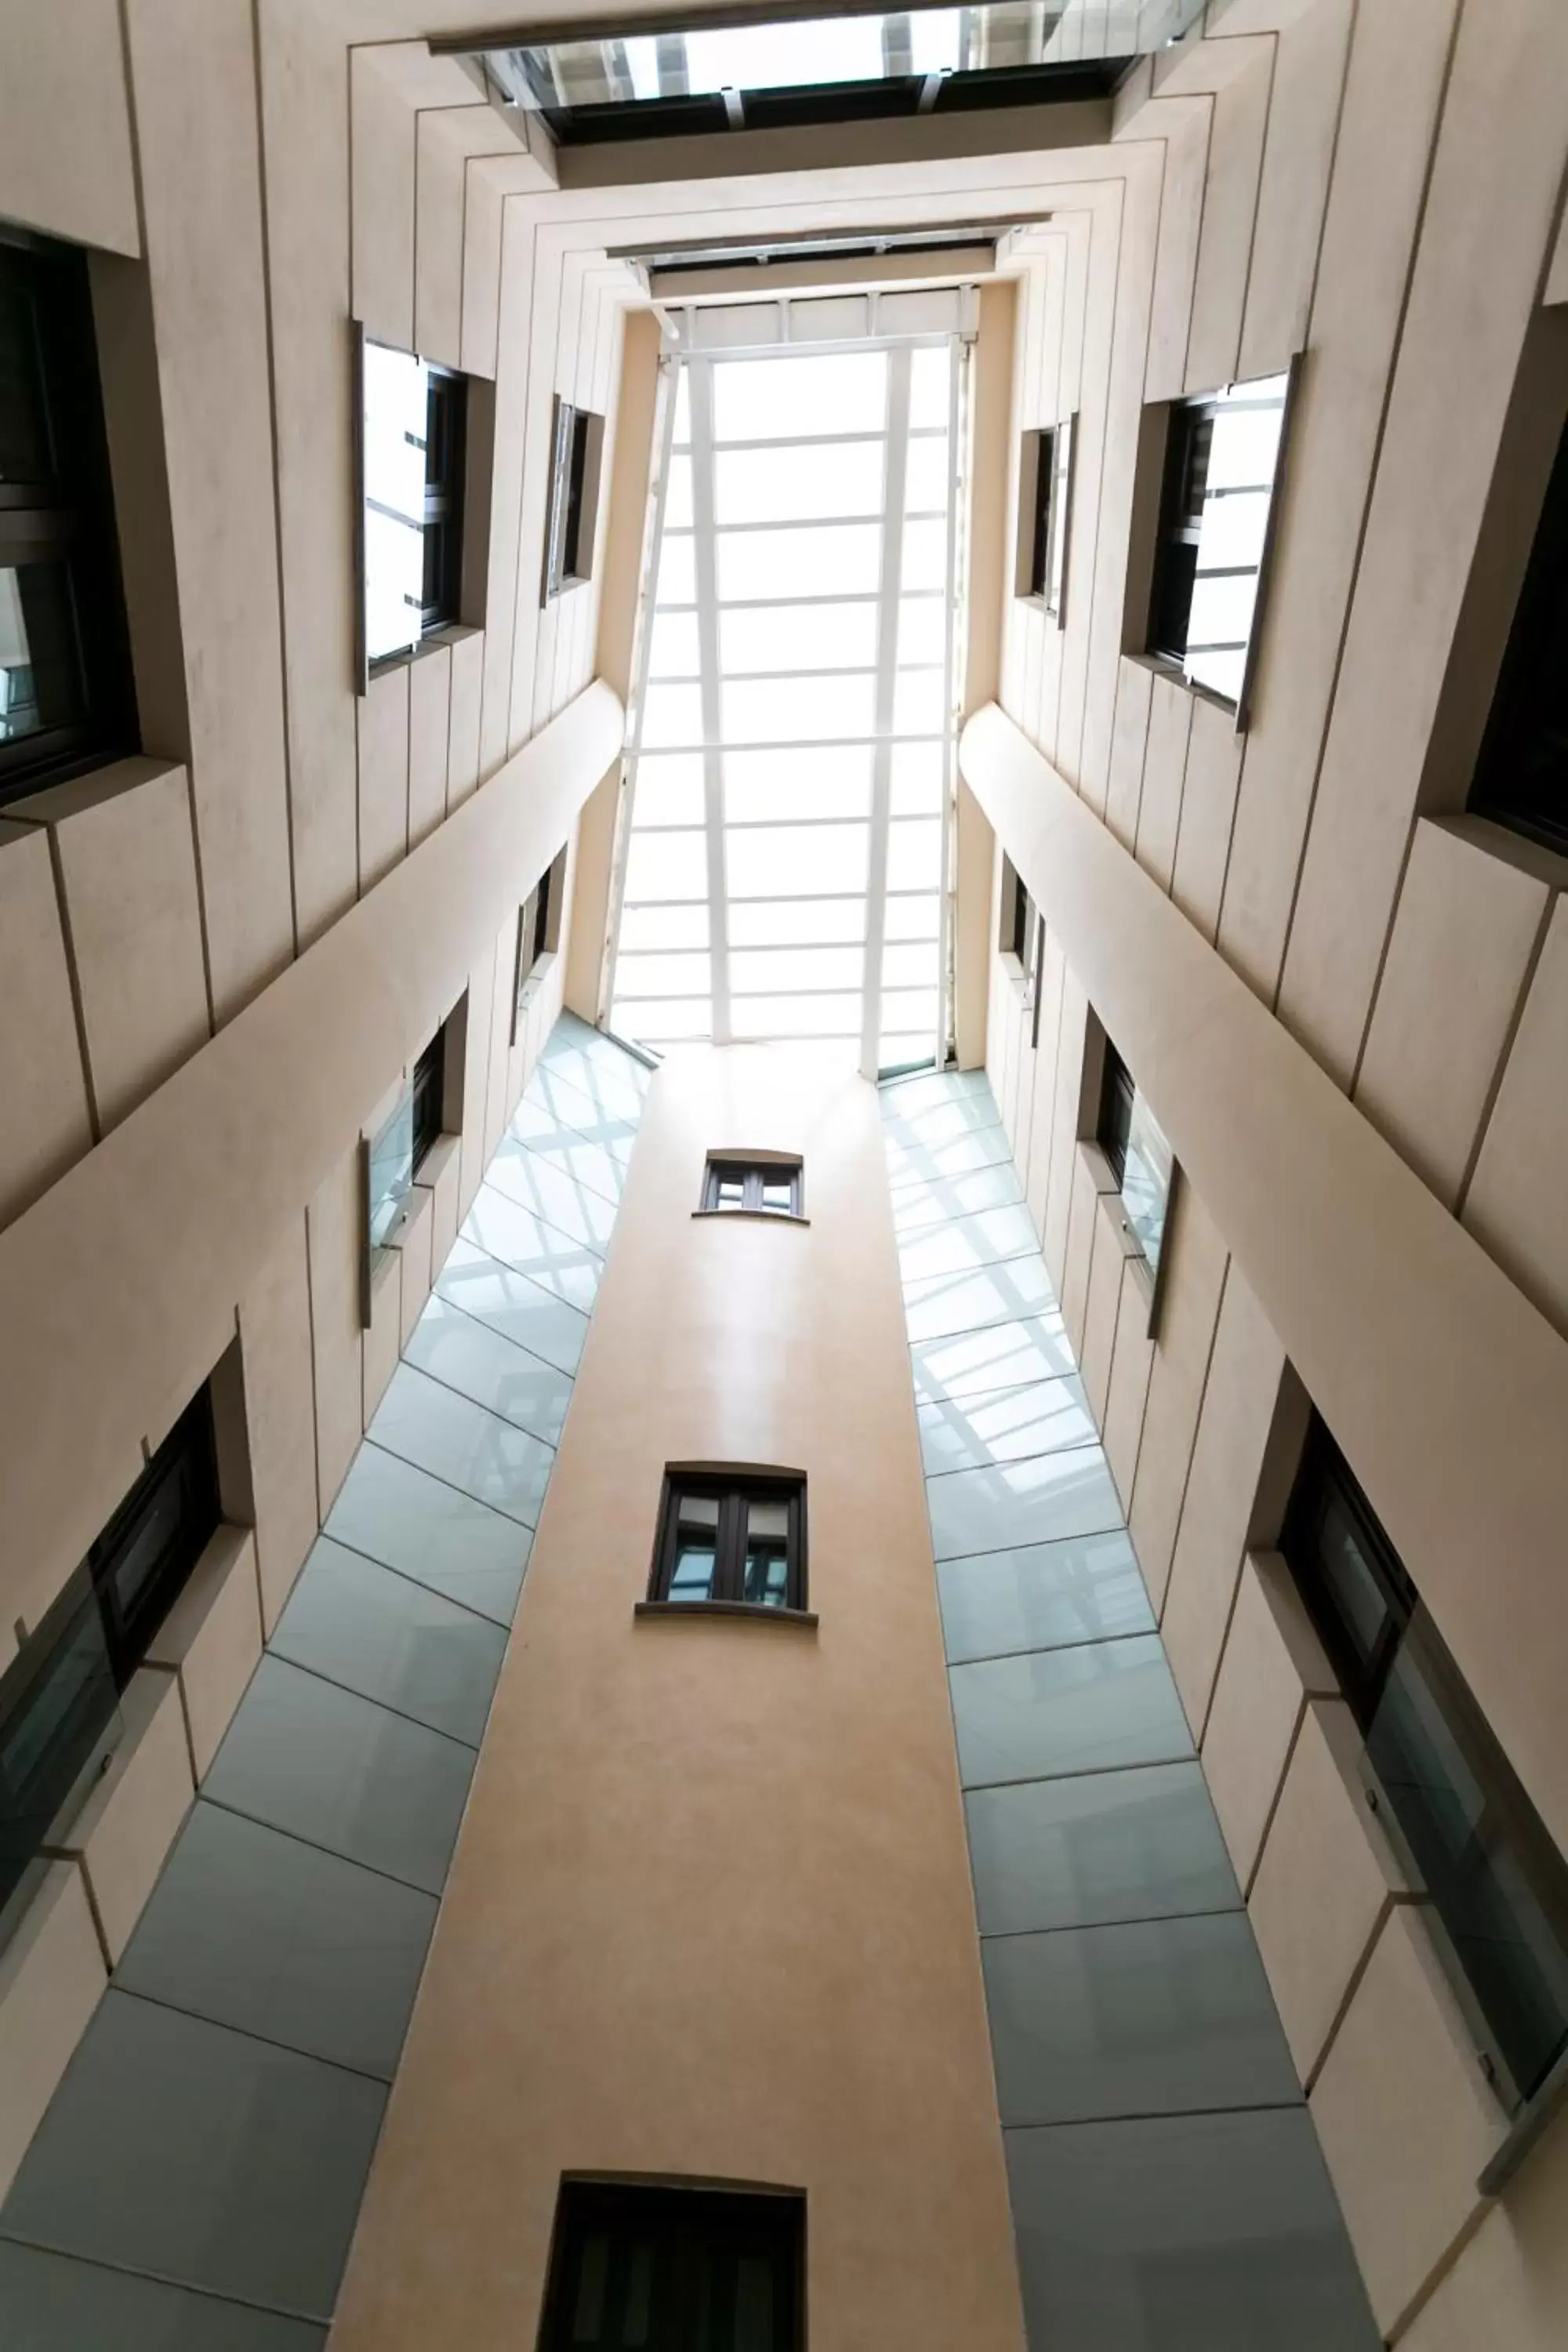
(1046,477)
(609,2212)
(1112,1132)
(66,518)
(1363,1673)
(571,523)
(537,935)
(1519,719)
(732,1490)
(427,1090)
(1178,523)
(443,510)
(755,1175)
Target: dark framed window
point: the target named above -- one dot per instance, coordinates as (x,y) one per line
(576,449)
(428,1091)
(738,1542)
(771,1187)
(445,449)
(1017,915)
(1497,1884)
(636,2269)
(1521,775)
(67,697)
(1215,525)
(59,1696)
(1045,500)
(538,931)
(413,464)
(1114,1124)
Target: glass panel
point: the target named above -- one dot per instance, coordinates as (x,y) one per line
(397,405)
(798,637)
(40,661)
(663,927)
(931,372)
(391,1169)
(672,714)
(926,478)
(770,861)
(795,561)
(833,780)
(918,696)
(797,1017)
(27,452)
(786,399)
(730,1191)
(917,780)
(917,917)
(914,854)
(1146,1184)
(795,967)
(1445,1797)
(695,1548)
(662,975)
(666,866)
(778,1194)
(829,479)
(923,629)
(910,963)
(765,1579)
(683,408)
(672,649)
(670,789)
(770,711)
(59,1717)
(789,921)
(661,1020)
(676,569)
(678,495)
(925,556)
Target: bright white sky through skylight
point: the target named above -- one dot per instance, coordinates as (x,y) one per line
(783,875)
(797,56)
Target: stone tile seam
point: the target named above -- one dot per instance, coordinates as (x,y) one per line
(163,2278)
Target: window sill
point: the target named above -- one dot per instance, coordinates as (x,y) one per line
(1176,675)
(751,1610)
(754,1216)
(435,1164)
(1102,1173)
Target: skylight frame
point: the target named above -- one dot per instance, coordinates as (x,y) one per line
(928,904)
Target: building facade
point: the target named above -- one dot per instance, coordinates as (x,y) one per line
(783,878)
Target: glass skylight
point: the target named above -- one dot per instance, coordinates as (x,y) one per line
(790,764)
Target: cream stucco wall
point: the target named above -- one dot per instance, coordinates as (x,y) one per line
(711,1911)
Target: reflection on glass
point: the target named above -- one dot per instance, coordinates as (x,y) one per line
(1146,1183)
(765,1580)
(391,1169)
(695,1548)
(397,406)
(1233,476)
(40,668)
(59,1717)
(780,1196)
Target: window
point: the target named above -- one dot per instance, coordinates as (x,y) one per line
(1221,470)
(1017,915)
(1115,1122)
(65,693)
(59,1698)
(662,2269)
(575,455)
(733,1542)
(427,1092)
(767,1187)
(1497,1884)
(412,458)
(538,932)
(1044,502)
(1522,777)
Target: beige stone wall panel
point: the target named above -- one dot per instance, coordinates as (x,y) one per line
(280,1416)
(1273,1663)
(429,721)
(124,1833)
(384,740)
(1165,769)
(66,163)
(1309,62)
(51,1974)
(42,1081)
(1189,1311)
(1518,1170)
(212,1639)
(1230,194)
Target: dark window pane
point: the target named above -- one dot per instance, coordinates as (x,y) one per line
(1115,1122)
(58,1715)
(1522,777)
(673,2269)
(26,447)
(140,1564)
(779,1195)
(765,1580)
(40,661)
(731,1191)
(429,1085)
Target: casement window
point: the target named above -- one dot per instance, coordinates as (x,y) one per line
(59,1696)
(66,698)
(1496,1884)
(1045,517)
(1018,935)
(537,933)
(576,451)
(661,2269)
(734,1541)
(1521,775)
(770,1188)
(413,465)
(1139,1158)
(1114,1125)
(1217,509)
(427,1088)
